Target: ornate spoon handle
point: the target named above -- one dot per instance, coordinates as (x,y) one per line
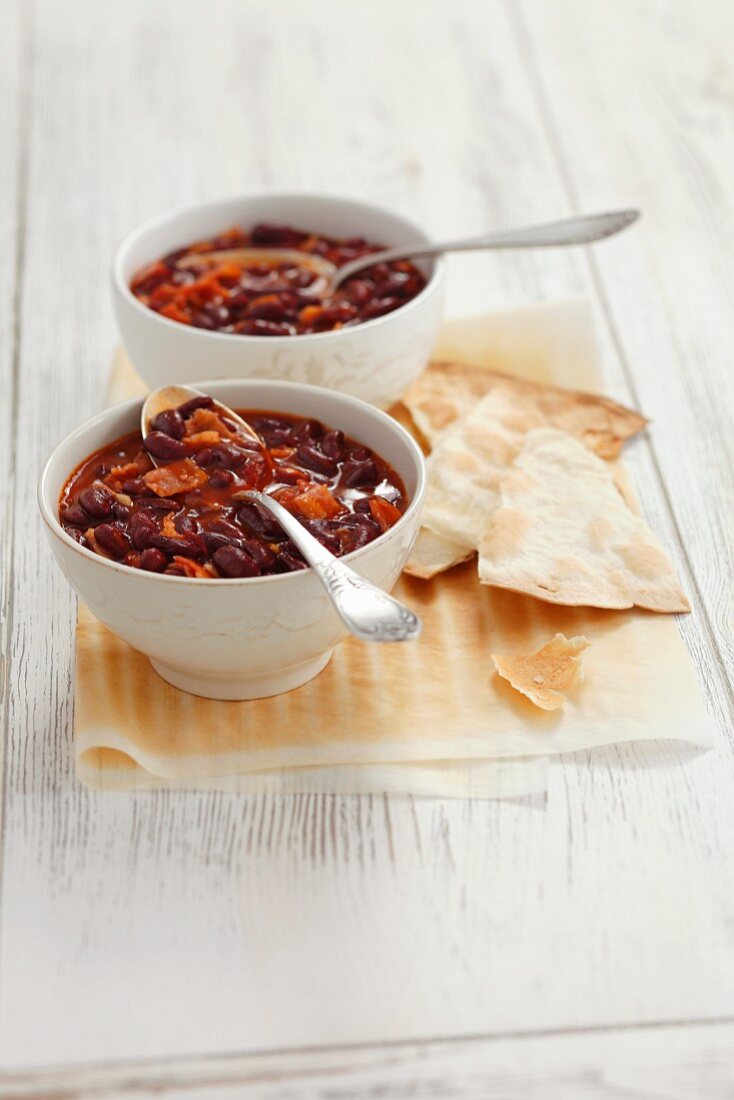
(365,609)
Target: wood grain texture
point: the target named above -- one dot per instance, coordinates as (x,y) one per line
(660,1063)
(167,926)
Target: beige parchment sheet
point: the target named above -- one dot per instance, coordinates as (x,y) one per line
(430,718)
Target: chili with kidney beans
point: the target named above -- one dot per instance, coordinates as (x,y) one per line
(267,298)
(183,516)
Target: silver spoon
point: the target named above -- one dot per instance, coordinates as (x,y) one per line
(580,230)
(367,611)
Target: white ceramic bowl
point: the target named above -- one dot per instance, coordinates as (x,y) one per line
(375,361)
(244,638)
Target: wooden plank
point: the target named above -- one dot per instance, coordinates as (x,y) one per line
(638,105)
(13,108)
(692,1062)
(164,925)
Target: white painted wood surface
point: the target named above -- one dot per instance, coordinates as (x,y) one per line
(140,933)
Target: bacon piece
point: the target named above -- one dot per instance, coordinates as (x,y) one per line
(384,513)
(206,420)
(317,503)
(177,477)
(191,568)
(199,440)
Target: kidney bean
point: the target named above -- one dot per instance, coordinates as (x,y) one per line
(255,519)
(264,328)
(380,307)
(220,479)
(185,524)
(321,530)
(154,561)
(358,291)
(308,431)
(112,539)
(96,502)
(170,422)
(233,562)
(362,504)
(308,455)
(359,472)
(260,552)
(287,562)
(143,530)
(189,545)
(269,307)
(333,445)
(121,512)
(134,487)
(202,320)
(277,236)
(158,504)
(164,446)
(220,532)
(195,403)
(288,474)
(75,515)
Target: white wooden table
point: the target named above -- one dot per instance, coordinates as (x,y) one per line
(215,945)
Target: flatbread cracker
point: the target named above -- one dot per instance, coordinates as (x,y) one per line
(447,391)
(545,675)
(433,554)
(564,534)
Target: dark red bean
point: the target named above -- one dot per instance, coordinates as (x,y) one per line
(358,291)
(255,519)
(220,479)
(121,512)
(158,504)
(260,552)
(268,307)
(333,445)
(195,403)
(143,529)
(164,446)
(190,546)
(233,562)
(289,475)
(202,320)
(186,524)
(321,530)
(380,307)
(287,562)
(361,505)
(308,431)
(170,422)
(355,472)
(155,561)
(112,539)
(280,236)
(96,501)
(313,459)
(134,487)
(76,516)
(264,328)
(221,532)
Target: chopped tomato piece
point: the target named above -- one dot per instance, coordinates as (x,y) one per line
(385,513)
(317,503)
(177,477)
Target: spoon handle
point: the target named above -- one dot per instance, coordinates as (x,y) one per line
(368,612)
(580,230)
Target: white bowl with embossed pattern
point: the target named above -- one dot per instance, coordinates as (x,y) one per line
(233,638)
(375,360)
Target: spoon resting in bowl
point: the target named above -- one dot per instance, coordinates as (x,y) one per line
(366,610)
(584,229)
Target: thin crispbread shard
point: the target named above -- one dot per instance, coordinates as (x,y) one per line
(547,674)
(446,391)
(432,554)
(564,533)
